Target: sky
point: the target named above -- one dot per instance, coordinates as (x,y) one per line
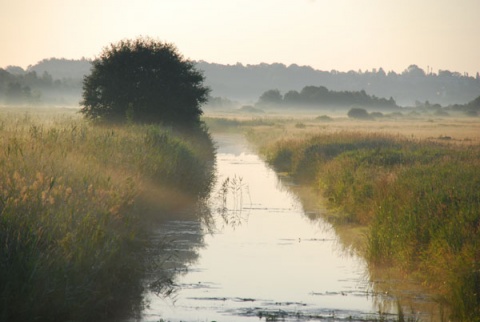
(328,35)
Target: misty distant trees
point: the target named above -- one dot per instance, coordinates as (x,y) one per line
(320,96)
(248,82)
(245,83)
(359,113)
(472,108)
(16,90)
(62,69)
(17,94)
(21,87)
(144,81)
(271,97)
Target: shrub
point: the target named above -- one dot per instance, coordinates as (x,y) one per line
(359,113)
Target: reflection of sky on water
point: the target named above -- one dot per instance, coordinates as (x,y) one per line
(276,261)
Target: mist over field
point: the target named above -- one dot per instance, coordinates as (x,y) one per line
(59,82)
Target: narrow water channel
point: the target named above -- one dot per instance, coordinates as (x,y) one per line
(262,258)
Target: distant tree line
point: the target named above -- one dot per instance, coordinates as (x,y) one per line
(37,85)
(248,82)
(61,68)
(318,97)
(14,90)
(472,108)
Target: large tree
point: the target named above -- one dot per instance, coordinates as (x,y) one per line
(146,81)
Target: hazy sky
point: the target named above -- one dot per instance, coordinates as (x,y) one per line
(334,34)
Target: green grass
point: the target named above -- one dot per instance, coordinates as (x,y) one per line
(74,203)
(420,201)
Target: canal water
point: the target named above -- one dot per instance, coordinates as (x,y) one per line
(258,256)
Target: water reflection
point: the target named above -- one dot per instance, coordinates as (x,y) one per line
(174,244)
(254,253)
(393,293)
(175,247)
(232,202)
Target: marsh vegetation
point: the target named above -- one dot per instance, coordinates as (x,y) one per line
(415,192)
(76,204)
(79,201)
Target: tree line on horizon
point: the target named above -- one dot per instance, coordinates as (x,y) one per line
(59,81)
(248,82)
(31,88)
(321,97)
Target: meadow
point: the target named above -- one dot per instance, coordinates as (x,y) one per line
(410,185)
(76,203)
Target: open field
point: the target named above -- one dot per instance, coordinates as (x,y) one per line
(453,129)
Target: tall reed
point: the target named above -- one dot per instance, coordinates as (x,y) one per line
(420,200)
(72,211)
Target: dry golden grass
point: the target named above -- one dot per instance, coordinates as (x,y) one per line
(451,129)
(459,130)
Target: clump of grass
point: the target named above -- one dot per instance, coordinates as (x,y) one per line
(419,199)
(71,220)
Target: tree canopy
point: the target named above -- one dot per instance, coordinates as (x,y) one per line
(318,96)
(145,81)
(270,97)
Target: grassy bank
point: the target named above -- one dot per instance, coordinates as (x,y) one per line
(419,200)
(74,200)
